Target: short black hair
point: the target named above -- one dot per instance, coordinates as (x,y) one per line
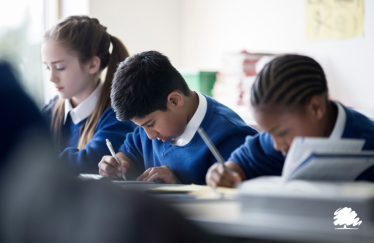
(289,80)
(142,84)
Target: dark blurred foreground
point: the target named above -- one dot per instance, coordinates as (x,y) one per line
(41,201)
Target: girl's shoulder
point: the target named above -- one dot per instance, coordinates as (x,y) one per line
(108,114)
(50,105)
(109,118)
(47,109)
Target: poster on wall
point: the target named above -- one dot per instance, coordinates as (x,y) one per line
(334,19)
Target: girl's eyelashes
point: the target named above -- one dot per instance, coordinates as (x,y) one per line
(58,69)
(151,125)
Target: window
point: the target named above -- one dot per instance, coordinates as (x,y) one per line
(21,31)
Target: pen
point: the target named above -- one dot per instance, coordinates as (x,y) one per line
(114,155)
(211,146)
(214,151)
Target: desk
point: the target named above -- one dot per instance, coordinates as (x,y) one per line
(225,218)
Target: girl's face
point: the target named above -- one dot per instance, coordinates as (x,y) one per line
(72,79)
(283,125)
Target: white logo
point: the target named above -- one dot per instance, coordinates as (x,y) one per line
(345,216)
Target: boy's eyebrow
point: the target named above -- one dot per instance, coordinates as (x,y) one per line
(146,122)
(273,129)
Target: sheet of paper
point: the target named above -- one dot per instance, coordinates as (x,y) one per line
(334,19)
(198,191)
(178,188)
(302,148)
(219,193)
(133,182)
(345,167)
(90,176)
(98,177)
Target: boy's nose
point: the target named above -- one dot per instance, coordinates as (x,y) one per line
(151,133)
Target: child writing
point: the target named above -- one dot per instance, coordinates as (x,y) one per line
(75,52)
(290,98)
(149,91)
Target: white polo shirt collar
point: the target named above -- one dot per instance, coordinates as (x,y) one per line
(84,109)
(193,124)
(339,126)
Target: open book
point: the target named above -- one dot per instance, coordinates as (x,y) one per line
(326,159)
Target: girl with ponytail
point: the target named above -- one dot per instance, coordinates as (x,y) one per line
(289,99)
(76,51)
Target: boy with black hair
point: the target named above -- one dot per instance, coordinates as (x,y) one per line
(58,201)
(149,91)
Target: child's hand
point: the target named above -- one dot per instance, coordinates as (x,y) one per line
(109,167)
(219,176)
(161,173)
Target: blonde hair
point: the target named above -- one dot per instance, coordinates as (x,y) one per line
(87,38)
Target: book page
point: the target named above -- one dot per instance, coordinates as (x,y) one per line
(302,148)
(334,167)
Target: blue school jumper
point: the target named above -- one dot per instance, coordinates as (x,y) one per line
(18,115)
(86,160)
(257,156)
(190,162)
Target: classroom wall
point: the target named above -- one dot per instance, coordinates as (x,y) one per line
(143,24)
(199,33)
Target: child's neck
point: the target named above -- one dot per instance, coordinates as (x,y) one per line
(193,103)
(76,100)
(331,117)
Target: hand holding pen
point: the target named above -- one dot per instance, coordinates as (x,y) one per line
(108,143)
(218,174)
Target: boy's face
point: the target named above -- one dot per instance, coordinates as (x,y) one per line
(165,125)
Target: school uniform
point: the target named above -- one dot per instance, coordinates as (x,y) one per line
(257,156)
(40,202)
(188,156)
(108,127)
(18,113)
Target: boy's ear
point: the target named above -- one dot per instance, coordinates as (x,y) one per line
(317,107)
(175,99)
(94,65)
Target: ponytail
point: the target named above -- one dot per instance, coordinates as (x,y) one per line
(119,53)
(87,38)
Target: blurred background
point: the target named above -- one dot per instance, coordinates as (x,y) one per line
(218,45)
